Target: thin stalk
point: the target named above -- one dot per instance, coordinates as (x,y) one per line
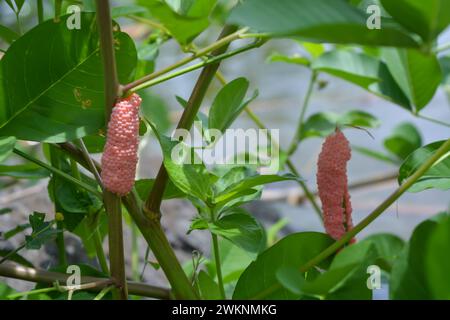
(28,293)
(19,26)
(58,5)
(442,123)
(298,132)
(59,173)
(153,202)
(150,23)
(196,66)
(40,11)
(218,265)
(222,42)
(134,252)
(90,162)
(99,251)
(443,149)
(104,292)
(60,244)
(308,194)
(111,201)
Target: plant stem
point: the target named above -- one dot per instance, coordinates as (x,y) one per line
(59,173)
(309,195)
(40,11)
(151,207)
(27,293)
(111,201)
(298,132)
(196,66)
(13,270)
(99,251)
(104,292)
(134,252)
(149,22)
(156,239)
(62,256)
(218,265)
(222,42)
(90,162)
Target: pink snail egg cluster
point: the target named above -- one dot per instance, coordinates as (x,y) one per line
(332,184)
(120,157)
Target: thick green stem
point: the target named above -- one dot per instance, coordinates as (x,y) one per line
(111,201)
(218,265)
(298,132)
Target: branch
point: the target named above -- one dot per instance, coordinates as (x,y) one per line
(13,270)
(112,202)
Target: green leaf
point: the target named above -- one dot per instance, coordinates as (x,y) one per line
(7,34)
(388,247)
(404,139)
(144,186)
(209,289)
(323,124)
(228,104)
(24,171)
(249,183)
(292,279)
(437,261)
(5,291)
(239,227)
(95,143)
(42,231)
(18,229)
(122,11)
(426,18)
(6,147)
(408,279)
(363,70)
(437,177)
(293,59)
(192,179)
(191,8)
(52,80)
(15,257)
(320,20)
(292,251)
(418,74)
(183,28)
(154,109)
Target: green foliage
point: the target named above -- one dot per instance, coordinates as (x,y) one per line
(437,177)
(322,124)
(362,70)
(421,270)
(292,251)
(320,20)
(418,74)
(405,138)
(58,67)
(6,147)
